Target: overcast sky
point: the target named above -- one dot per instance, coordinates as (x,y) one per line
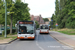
(44,7)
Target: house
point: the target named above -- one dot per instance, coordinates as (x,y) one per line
(37,18)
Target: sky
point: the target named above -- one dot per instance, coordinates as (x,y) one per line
(44,7)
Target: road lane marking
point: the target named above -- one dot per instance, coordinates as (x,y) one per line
(64,47)
(39,46)
(37,43)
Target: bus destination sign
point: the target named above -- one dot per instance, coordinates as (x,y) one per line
(25,22)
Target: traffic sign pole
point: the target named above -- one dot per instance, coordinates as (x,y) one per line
(56,26)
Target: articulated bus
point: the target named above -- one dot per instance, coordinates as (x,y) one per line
(26,29)
(44,28)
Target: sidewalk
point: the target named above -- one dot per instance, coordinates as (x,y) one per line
(66,39)
(3,41)
(7,40)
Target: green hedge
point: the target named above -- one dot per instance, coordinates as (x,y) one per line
(8,31)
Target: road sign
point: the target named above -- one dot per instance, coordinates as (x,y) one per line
(56,24)
(51,20)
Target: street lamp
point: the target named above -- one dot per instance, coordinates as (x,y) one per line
(5,18)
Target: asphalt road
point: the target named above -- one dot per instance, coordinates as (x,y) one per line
(42,42)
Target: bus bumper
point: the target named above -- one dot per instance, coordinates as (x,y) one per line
(25,37)
(44,32)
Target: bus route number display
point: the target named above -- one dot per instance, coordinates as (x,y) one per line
(25,22)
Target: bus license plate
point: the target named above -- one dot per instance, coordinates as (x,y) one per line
(25,37)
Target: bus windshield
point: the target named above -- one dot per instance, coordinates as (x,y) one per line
(44,27)
(26,28)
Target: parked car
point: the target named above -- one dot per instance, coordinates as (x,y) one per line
(1,32)
(2,29)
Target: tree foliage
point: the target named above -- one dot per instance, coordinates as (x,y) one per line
(64,14)
(2,12)
(15,11)
(45,19)
(37,24)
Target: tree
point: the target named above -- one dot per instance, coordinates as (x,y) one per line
(57,8)
(18,1)
(21,13)
(64,13)
(17,11)
(45,19)
(53,22)
(37,24)
(2,12)
(56,15)
(10,8)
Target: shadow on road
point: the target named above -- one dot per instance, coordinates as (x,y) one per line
(44,33)
(26,39)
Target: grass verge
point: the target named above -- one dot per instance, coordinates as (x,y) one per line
(66,31)
(8,38)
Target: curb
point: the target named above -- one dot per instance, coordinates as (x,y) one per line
(9,42)
(63,42)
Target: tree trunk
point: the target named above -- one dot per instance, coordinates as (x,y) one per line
(11,25)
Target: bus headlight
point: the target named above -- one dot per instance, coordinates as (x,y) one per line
(32,35)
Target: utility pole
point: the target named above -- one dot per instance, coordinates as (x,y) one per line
(5,18)
(39,19)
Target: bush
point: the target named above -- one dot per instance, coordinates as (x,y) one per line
(8,31)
